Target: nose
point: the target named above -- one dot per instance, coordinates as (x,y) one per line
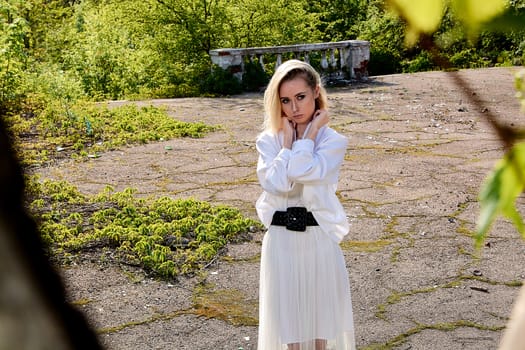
(294,106)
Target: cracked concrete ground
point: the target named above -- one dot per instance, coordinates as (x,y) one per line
(418,154)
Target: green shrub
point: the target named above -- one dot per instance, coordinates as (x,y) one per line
(172,91)
(383,61)
(167,237)
(422,62)
(469,58)
(221,82)
(46,84)
(14,58)
(254,77)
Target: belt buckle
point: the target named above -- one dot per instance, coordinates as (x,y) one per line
(296,219)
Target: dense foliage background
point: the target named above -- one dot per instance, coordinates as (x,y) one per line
(113,49)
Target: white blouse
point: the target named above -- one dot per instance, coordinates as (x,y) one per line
(315,166)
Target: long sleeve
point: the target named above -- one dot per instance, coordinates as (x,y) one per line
(272,164)
(317,164)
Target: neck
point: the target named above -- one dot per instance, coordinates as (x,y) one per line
(300,128)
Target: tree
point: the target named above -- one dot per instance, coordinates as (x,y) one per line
(338,20)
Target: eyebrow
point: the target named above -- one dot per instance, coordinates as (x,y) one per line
(297,94)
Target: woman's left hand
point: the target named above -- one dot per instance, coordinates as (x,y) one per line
(320,118)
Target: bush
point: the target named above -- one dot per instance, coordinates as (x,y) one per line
(468,58)
(171,91)
(221,82)
(383,61)
(254,77)
(47,83)
(462,59)
(422,62)
(166,237)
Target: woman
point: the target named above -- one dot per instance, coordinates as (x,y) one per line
(304,295)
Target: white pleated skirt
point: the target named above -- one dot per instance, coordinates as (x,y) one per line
(304,292)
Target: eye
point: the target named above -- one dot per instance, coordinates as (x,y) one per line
(285,100)
(300,97)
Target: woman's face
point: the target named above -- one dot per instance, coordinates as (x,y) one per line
(298,100)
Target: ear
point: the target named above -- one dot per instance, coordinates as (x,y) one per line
(316,91)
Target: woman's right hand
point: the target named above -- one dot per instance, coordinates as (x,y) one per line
(288,131)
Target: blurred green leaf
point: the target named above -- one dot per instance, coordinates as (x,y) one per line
(474,12)
(519,83)
(507,22)
(422,16)
(425,16)
(499,192)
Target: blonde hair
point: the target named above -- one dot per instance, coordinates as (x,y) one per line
(287,71)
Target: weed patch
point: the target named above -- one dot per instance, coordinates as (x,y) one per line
(229,305)
(166,237)
(84,130)
(365,246)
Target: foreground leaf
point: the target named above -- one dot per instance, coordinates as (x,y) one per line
(520,87)
(422,16)
(474,12)
(499,192)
